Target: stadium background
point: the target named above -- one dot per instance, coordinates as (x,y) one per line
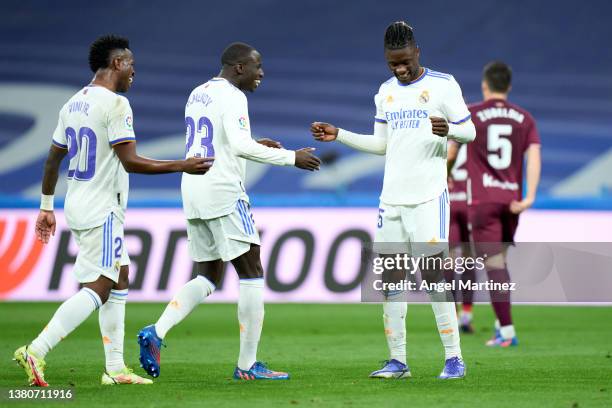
(323,61)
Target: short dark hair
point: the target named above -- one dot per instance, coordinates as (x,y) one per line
(236,53)
(498,76)
(101,50)
(399,35)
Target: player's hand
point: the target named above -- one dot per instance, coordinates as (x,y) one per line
(439,126)
(517,207)
(197,165)
(324,132)
(451,182)
(270,143)
(304,159)
(45,226)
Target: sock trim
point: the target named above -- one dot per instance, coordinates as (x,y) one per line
(214,287)
(94,297)
(254,283)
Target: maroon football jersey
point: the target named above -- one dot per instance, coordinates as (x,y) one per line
(457,191)
(495,158)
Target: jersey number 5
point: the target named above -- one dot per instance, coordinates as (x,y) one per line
(205,133)
(499,147)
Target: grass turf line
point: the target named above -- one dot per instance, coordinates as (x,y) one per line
(564,359)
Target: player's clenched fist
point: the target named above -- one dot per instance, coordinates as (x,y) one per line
(304,159)
(197,165)
(439,126)
(324,132)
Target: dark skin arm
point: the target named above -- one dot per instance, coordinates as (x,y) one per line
(51,172)
(45,223)
(133,163)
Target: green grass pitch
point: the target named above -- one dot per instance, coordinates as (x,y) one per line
(564,359)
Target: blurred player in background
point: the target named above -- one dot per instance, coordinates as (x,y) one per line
(505,134)
(95,129)
(417,110)
(459,235)
(220,226)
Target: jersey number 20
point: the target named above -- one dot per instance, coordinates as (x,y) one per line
(204,131)
(81,153)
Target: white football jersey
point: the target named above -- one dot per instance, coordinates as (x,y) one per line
(90,124)
(415,166)
(217,125)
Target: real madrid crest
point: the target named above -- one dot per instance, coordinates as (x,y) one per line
(424,98)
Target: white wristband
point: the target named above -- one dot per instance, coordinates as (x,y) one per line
(46,202)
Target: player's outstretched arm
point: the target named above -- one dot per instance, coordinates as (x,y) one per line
(45,223)
(534,167)
(376,143)
(133,163)
(263,151)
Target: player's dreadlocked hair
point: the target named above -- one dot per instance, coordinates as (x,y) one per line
(399,35)
(498,76)
(101,50)
(236,53)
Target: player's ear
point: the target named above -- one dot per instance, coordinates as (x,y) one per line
(239,68)
(116,64)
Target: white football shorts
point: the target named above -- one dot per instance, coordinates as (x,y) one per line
(225,237)
(419,230)
(101,251)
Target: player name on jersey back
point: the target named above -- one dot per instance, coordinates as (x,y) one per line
(495,159)
(90,124)
(415,167)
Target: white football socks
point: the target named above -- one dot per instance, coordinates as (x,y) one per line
(250,318)
(191,294)
(67,317)
(394,317)
(507,332)
(446,320)
(112,328)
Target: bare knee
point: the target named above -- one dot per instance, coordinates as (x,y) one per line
(211,270)
(248,265)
